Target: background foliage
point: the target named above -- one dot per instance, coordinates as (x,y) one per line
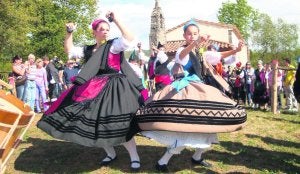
(239,14)
(38,26)
(267,39)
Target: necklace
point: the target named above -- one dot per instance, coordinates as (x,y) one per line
(98,45)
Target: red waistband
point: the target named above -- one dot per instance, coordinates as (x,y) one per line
(165,79)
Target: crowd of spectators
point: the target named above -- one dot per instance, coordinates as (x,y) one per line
(252,85)
(40,81)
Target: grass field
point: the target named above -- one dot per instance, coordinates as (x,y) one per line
(268,144)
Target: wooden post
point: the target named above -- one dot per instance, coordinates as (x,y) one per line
(9,86)
(274,87)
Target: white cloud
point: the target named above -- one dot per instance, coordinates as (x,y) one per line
(136,17)
(285,9)
(136,14)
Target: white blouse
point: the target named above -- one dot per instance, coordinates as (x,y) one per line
(120,44)
(212,57)
(183,61)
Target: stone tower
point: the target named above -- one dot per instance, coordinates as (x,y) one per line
(157,28)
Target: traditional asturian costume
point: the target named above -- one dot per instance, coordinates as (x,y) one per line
(189,105)
(162,67)
(98,110)
(189,113)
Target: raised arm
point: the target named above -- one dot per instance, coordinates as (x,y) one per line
(68,42)
(191,46)
(225,54)
(125,33)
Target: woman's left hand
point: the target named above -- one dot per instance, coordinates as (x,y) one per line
(110,16)
(240,46)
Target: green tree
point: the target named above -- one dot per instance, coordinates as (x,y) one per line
(49,31)
(37,26)
(287,36)
(239,14)
(14,25)
(274,40)
(263,36)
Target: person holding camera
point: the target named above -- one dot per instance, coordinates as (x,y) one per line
(98,110)
(19,73)
(53,78)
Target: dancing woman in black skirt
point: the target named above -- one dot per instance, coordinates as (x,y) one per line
(98,110)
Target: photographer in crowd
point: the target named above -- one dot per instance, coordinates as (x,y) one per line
(70,71)
(54,81)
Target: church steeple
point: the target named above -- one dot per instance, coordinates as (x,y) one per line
(157,28)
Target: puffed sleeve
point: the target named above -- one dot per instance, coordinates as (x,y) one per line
(183,61)
(162,57)
(76,52)
(212,57)
(229,60)
(120,44)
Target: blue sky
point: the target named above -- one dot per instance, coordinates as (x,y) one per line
(135,14)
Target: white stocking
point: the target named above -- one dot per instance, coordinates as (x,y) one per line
(110,151)
(198,153)
(169,153)
(131,148)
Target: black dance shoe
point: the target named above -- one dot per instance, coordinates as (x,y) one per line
(106,163)
(162,168)
(201,162)
(135,169)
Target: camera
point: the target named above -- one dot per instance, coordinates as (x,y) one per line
(57,62)
(110,17)
(56,59)
(70,29)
